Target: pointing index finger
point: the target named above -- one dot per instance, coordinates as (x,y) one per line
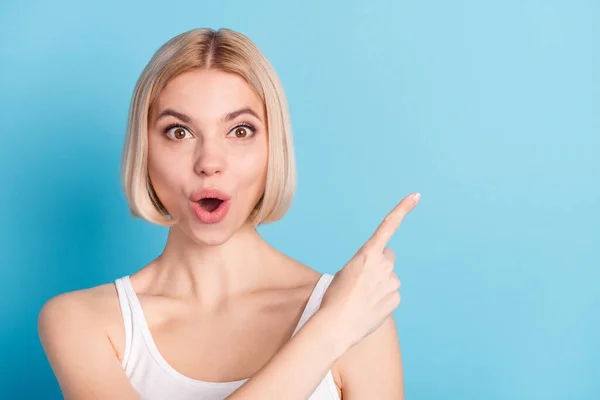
(392,222)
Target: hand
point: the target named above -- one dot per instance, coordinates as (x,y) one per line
(365,291)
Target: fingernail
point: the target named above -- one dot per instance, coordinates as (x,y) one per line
(416,197)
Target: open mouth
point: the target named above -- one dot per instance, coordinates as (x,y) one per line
(210,204)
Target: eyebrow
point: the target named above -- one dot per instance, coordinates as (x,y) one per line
(225,118)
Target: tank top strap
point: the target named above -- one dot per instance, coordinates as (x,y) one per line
(127,316)
(314,302)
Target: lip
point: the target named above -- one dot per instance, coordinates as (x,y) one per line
(210,217)
(203,193)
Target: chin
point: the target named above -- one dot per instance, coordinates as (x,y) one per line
(210,235)
(210,240)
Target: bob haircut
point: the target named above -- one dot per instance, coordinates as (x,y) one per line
(228,51)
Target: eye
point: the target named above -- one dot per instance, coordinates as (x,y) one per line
(241,131)
(177,134)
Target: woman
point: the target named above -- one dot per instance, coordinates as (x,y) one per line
(217,315)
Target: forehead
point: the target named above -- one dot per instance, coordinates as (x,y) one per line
(208,94)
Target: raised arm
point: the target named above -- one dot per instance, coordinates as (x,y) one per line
(79,351)
(361,296)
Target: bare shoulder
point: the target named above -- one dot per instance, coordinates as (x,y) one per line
(72,328)
(310,276)
(373,367)
(91,309)
(292,272)
(92,304)
(70,305)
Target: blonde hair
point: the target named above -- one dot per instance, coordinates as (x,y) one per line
(228,51)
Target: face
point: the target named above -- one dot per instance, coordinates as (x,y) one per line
(199,138)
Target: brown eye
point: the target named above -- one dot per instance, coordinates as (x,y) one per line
(242,131)
(179,133)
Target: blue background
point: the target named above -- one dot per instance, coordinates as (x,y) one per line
(489,109)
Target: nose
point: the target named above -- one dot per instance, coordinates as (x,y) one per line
(210,159)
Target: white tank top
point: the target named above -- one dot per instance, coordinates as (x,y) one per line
(154,379)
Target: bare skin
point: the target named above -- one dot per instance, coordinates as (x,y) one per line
(187,335)
(210,279)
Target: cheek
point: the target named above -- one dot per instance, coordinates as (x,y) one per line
(252,169)
(165,176)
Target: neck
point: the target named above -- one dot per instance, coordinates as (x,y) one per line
(211,274)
